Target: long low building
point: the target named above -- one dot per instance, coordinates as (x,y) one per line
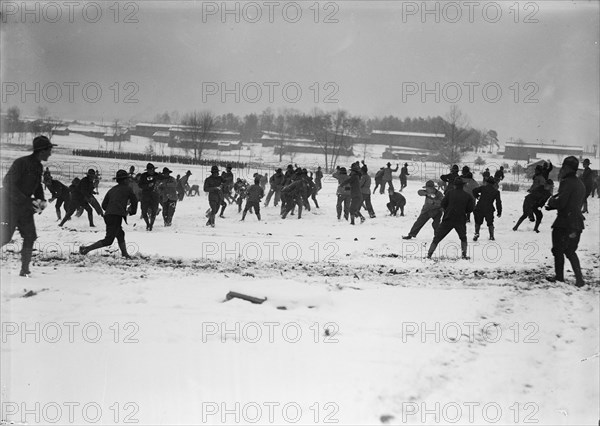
(422,141)
(529,151)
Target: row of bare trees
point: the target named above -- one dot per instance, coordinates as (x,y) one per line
(335,133)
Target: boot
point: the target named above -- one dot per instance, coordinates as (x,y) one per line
(476,236)
(579,282)
(351,219)
(222,211)
(559,267)
(407,237)
(491,229)
(258,216)
(521,219)
(87,249)
(464,246)
(26,254)
(123,248)
(244,215)
(537,223)
(432,248)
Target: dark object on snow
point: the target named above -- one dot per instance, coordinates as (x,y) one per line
(29,293)
(233,294)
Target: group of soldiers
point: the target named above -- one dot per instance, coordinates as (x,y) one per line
(292,189)
(23,196)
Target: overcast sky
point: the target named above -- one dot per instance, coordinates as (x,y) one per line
(369,62)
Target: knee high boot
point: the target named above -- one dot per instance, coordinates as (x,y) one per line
(477,228)
(26,254)
(491,229)
(432,248)
(559,267)
(521,219)
(574,259)
(464,246)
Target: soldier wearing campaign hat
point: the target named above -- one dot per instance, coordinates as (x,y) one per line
(403,174)
(486,195)
(567,228)
(587,177)
(213,185)
(150,199)
(119,201)
(167,189)
(456,204)
(23,196)
(432,209)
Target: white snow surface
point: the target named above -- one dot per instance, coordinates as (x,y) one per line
(357,327)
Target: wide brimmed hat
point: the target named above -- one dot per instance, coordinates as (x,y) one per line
(459,182)
(571,162)
(121,174)
(41,143)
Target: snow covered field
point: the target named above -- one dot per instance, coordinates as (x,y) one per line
(357,327)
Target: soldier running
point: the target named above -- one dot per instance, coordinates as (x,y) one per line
(116,208)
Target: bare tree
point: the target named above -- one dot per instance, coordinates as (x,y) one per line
(200,129)
(456,131)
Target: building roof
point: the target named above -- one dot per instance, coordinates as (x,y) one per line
(422,135)
(165,126)
(277,136)
(540,147)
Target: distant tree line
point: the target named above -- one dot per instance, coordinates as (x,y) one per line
(334,132)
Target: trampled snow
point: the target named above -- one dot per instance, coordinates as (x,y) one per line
(357,327)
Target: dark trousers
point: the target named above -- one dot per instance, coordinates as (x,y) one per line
(355,204)
(249,205)
(214,204)
(113,230)
(73,206)
(367,204)
(383,182)
(445,228)
(393,208)
(480,216)
(564,243)
(343,203)
(435,215)
(168,210)
(14,217)
(377,184)
(277,193)
(290,204)
(149,207)
(314,197)
(402,183)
